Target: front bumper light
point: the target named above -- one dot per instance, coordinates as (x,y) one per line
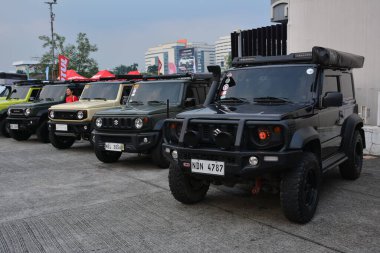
(99,122)
(139,123)
(27,112)
(51,114)
(80,115)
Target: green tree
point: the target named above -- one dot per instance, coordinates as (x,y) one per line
(153,69)
(228,61)
(78,54)
(123,69)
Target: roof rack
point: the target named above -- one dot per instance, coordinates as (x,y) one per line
(192,76)
(318,55)
(121,77)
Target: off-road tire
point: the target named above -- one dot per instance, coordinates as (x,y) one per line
(184,188)
(19,135)
(4,128)
(61,142)
(106,156)
(42,132)
(351,168)
(158,158)
(300,189)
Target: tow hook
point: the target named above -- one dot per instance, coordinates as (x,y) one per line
(257,188)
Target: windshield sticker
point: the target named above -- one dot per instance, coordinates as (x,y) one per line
(134,90)
(225,87)
(86,86)
(310,71)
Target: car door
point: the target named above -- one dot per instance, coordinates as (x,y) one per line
(330,118)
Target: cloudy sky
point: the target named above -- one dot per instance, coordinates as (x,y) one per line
(122,29)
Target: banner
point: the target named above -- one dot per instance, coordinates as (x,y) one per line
(186,63)
(63,62)
(159,65)
(47,73)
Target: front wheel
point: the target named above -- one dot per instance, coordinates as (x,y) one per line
(61,142)
(185,188)
(4,127)
(19,135)
(300,189)
(106,156)
(352,167)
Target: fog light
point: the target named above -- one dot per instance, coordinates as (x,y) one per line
(85,127)
(167,150)
(271,158)
(175,154)
(145,140)
(253,160)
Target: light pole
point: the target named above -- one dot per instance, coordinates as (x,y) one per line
(52,15)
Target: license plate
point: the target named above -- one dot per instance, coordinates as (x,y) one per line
(61,127)
(13,126)
(207,167)
(114,146)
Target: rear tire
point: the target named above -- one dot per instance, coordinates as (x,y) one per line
(300,189)
(352,167)
(61,142)
(184,188)
(4,127)
(158,158)
(106,156)
(42,132)
(19,135)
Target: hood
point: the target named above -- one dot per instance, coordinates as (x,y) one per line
(83,105)
(43,104)
(251,111)
(137,110)
(4,104)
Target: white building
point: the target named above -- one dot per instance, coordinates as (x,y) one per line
(222,50)
(170,54)
(26,66)
(346,25)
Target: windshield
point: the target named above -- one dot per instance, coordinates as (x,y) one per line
(53,93)
(102,91)
(20,92)
(267,84)
(156,93)
(3,91)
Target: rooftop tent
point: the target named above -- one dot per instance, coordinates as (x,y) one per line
(134,72)
(103,74)
(73,75)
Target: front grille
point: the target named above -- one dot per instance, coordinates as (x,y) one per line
(117,123)
(206,131)
(70,115)
(17,112)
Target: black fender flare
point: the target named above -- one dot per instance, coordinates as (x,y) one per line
(302,137)
(348,129)
(159,125)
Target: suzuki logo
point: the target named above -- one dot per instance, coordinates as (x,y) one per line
(216,132)
(116,122)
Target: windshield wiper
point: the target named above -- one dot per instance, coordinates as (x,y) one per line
(156,102)
(232,100)
(86,99)
(135,103)
(100,99)
(272,100)
(47,99)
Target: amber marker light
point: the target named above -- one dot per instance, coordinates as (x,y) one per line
(277,129)
(263,135)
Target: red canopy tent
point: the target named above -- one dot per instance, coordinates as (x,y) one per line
(103,74)
(73,75)
(134,72)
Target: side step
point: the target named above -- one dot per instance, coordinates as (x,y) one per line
(333,161)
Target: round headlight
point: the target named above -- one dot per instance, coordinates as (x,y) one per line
(51,114)
(99,122)
(80,115)
(138,123)
(9,111)
(27,112)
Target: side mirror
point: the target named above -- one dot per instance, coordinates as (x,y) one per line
(124,100)
(332,99)
(190,102)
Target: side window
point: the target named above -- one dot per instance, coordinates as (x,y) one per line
(34,95)
(330,83)
(198,92)
(346,86)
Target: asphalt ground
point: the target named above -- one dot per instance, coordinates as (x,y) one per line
(68,201)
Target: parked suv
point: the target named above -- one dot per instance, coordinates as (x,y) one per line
(27,119)
(136,127)
(276,122)
(72,121)
(22,92)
